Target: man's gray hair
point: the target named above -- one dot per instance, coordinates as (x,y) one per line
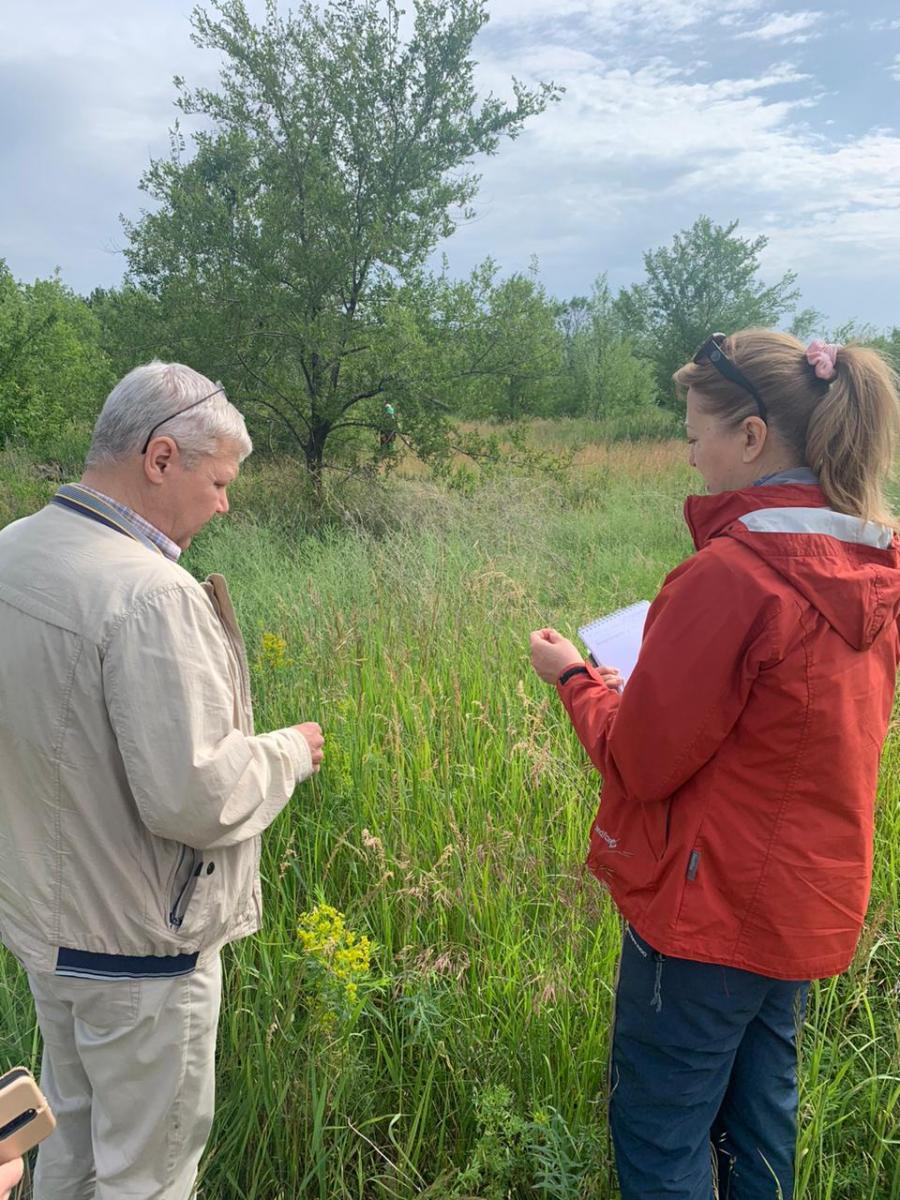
(151,394)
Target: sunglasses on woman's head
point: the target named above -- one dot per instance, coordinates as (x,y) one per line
(711,351)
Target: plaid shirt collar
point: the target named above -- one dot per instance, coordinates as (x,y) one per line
(133,522)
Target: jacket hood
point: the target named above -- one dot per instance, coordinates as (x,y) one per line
(848,569)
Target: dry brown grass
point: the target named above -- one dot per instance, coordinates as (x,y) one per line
(633,459)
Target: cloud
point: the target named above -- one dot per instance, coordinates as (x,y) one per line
(87,101)
(631,155)
(819,240)
(792,28)
(646,19)
(894,68)
(656,114)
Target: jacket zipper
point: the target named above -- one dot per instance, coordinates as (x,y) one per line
(179,908)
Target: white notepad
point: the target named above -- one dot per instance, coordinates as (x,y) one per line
(615,640)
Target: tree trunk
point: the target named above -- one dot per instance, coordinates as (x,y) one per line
(314,451)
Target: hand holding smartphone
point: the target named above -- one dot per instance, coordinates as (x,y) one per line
(25,1116)
(10,1177)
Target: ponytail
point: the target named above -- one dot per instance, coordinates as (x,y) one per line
(845,428)
(852,434)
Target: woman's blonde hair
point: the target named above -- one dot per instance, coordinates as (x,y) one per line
(844,429)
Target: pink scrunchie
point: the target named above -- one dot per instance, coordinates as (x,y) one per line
(823,357)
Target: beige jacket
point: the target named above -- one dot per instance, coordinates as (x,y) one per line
(132,788)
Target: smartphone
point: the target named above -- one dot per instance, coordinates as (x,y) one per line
(25,1116)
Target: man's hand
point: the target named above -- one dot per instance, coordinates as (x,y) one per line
(10,1174)
(312,731)
(551,653)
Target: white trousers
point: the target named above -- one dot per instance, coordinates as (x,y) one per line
(129,1070)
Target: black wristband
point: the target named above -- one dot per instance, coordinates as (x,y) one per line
(567,674)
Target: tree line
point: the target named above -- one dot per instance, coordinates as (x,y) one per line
(287,254)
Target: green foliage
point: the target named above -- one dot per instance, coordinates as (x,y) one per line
(23,488)
(889,345)
(805,323)
(334,157)
(648,423)
(604,376)
(707,280)
(52,366)
(562,1161)
(133,327)
(499,1160)
(514,1155)
(495,342)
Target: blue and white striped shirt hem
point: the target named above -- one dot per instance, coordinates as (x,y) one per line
(84,964)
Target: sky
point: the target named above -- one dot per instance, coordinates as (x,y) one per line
(784,116)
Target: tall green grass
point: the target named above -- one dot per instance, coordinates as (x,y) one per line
(449,826)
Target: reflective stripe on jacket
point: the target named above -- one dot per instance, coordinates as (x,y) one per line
(740,763)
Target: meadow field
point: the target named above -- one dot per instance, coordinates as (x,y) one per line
(426,1012)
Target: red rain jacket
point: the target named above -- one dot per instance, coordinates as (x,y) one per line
(740,763)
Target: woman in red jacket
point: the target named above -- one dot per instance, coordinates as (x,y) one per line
(740,762)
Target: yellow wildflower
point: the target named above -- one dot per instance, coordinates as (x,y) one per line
(273,652)
(339,957)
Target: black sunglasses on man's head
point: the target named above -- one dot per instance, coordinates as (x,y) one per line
(712,351)
(172,416)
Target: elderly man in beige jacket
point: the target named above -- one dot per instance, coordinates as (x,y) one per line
(133,788)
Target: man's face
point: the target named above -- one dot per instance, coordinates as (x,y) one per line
(195,495)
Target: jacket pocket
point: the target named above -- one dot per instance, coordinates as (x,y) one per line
(657,820)
(184,884)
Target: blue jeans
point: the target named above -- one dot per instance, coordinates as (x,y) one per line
(703,1070)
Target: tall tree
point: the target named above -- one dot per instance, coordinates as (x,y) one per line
(335,155)
(707,280)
